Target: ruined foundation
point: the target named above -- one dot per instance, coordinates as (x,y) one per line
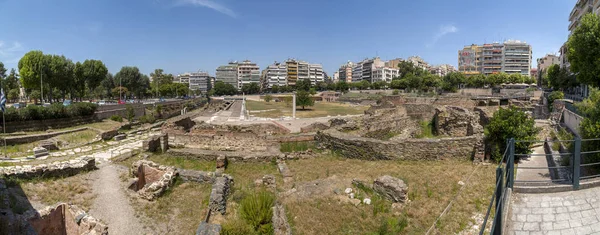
(66,219)
(152,179)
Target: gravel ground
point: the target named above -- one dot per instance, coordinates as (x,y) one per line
(112,204)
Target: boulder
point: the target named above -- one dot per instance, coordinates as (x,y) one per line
(208,229)
(40,152)
(120,137)
(392,188)
(48,145)
(108,135)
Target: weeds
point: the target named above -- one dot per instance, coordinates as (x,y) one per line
(256,211)
(426,130)
(289,147)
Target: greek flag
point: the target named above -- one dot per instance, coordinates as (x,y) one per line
(2,100)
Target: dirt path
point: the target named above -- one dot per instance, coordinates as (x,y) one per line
(112,204)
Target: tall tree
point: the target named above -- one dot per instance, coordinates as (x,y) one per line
(303,99)
(108,84)
(303,84)
(584,50)
(31,68)
(132,79)
(61,73)
(12,81)
(94,71)
(2,71)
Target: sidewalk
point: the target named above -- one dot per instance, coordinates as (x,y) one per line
(534,161)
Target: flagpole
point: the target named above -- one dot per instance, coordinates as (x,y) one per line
(4,130)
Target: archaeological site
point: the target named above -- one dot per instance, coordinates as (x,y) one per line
(406,165)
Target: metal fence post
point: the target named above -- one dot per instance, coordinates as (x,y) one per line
(576,163)
(511,164)
(498,218)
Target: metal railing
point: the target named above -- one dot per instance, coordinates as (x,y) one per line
(505,174)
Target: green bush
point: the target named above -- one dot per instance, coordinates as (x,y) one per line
(147,119)
(129,112)
(395,92)
(236,227)
(393,225)
(116,118)
(555,95)
(510,123)
(426,130)
(256,211)
(54,111)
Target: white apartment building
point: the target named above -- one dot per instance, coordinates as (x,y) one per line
(315,73)
(247,72)
(336,76)
(357,72)
(442,70)
(276,74)
(182,78)
(517,57)
(199,81)
(384,74)
(418,62)
(345,72)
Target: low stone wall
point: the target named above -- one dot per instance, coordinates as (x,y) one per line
(42,125)
(409,149)
(56,169)
(219,193)
(235,156)
(156,143)
(24,139)
(152,179)
(107,111)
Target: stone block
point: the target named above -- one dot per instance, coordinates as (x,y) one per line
(48,144)
(208,229)
(40,152)
(392,188)
(279,220)
(120,137)
(219,193)
(108,135)
(221,162)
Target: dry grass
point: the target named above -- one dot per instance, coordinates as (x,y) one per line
(432,184)
(77,138)
(70,140)
(245,173)
(320,109)
(75,189)
(181,209)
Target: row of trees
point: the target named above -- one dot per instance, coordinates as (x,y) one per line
(58,77)
(10,83)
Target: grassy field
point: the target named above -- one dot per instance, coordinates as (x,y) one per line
(69,140)
(75,189)
(320,109)
(432,184)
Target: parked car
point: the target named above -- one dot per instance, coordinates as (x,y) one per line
(67,103)
(161,100)
(17,106)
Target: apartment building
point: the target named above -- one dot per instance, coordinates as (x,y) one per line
(393,63)
(418,62)
(292,72)
(442,70)
(247,72)
(544,63)
(275,74)
(470,60)
(182,78)
(228,74)
(517,57)
(336,76)
(384,74)
(512,56)
(345,72)
(357,72)
(368,65)
(199,81)
(315,73)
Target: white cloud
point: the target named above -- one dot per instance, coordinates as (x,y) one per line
(444,29)
(209,4)
(10,53)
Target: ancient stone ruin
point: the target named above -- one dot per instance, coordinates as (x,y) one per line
(55,169)
(219,193)
(66,219)
(152,179)
(391,188)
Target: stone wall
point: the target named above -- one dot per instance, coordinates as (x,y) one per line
(456,122)
(107,111)
(56,169)
(235,156)
(43,125)
(157,143)
(409,149)
(152,179)
(66,219)
(24,139)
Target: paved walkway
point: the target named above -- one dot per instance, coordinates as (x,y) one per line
(574,212)
(534,161)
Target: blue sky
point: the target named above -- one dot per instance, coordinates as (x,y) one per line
(189,35)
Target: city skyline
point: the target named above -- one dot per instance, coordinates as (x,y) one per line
(190,35)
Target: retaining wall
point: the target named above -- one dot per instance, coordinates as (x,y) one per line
(409,149)
(56,169)
(23,139)
(42,125)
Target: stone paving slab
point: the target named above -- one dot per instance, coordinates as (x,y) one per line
(574,212)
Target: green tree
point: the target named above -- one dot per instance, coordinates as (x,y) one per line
(35,95)
(222,88)
(406,67)
(129,112)
(133,80)
(312,91)
(31,68)
(590,126)
(93,71)
(583,54)
(120,92)
(61,74)
(451,81)
(13,94)
(12,81)
(510,123)
(108,84)
(303,85)
(2,71)
(342,86)
(303,99)
(275,89)
(251,88)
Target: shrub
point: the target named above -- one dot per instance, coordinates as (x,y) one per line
(395,92)
(426,129)
(256,211)
(510,123)
(116,118)
(393,225)
(57,110)
(236,227)
(81,109)
(147,119)
(268,98)
(555,95)
(129,112)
